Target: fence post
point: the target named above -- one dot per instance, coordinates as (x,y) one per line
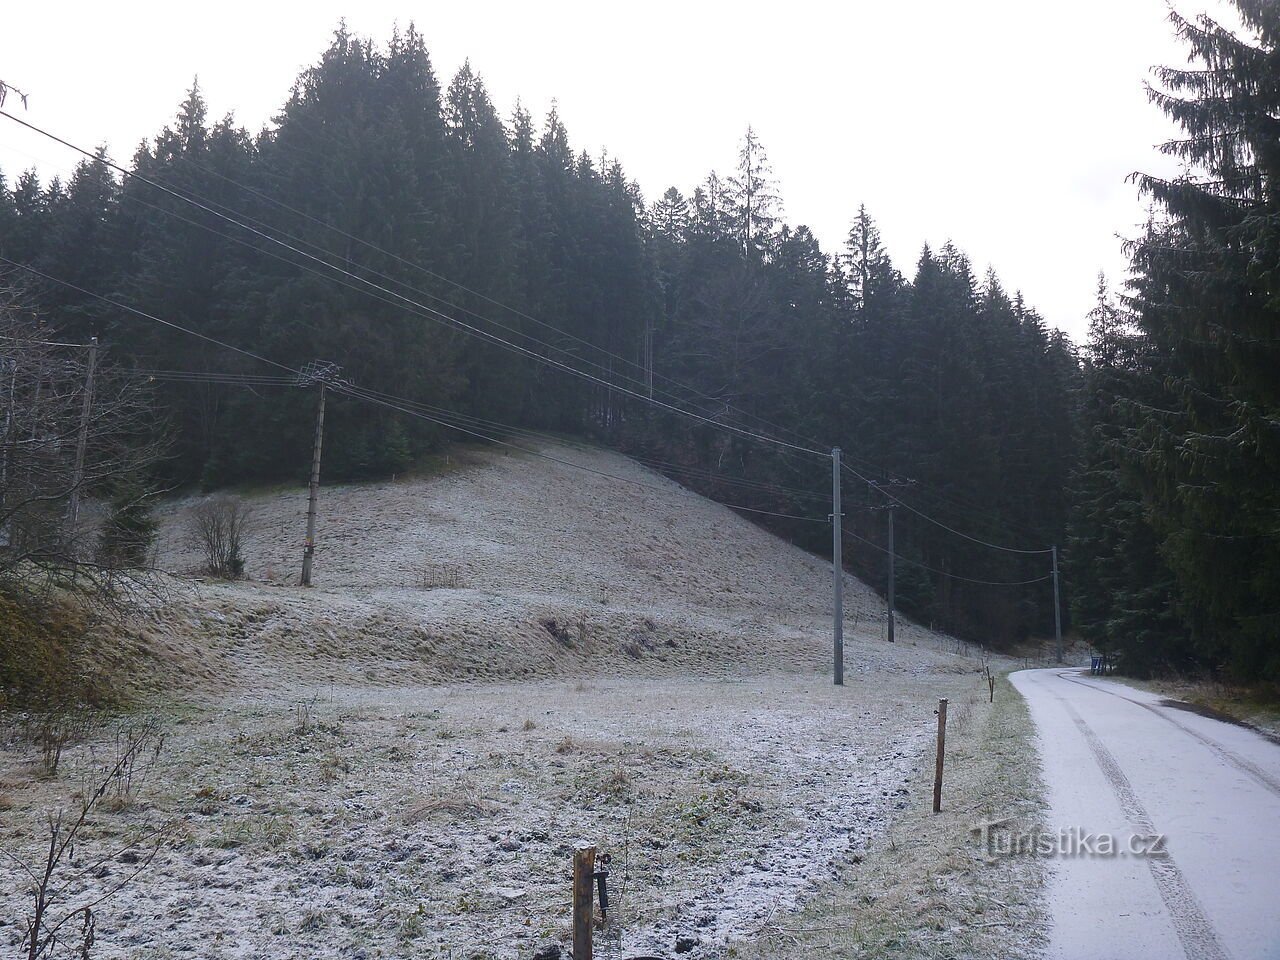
(584,867)
(942,744)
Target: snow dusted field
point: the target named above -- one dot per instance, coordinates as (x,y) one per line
(496,664)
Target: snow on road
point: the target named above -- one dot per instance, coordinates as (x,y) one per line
(1127,765)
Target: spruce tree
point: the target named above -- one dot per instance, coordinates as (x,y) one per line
(1207,293)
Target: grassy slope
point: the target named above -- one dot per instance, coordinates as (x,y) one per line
(929,889)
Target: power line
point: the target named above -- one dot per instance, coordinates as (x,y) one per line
(944,573)
(408,408)
(660,465)
(386,400)
(517,312)
(148,316)
(24,341)
(432,313)
(429,311)
(939,523)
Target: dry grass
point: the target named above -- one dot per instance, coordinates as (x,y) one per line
(451,806)
(928,889)
(1258,707)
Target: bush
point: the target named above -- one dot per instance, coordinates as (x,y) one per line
(218,528)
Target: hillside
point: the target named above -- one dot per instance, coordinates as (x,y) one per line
(381,766)
(512,566)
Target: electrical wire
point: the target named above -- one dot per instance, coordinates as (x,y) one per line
(660,465)
(432,313)
(944,573)
(939,523)
(122,306)
(427,310)
(20,341)
(517,312)
(404,406)
(408,409)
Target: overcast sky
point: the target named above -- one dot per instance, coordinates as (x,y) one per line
(1007,126)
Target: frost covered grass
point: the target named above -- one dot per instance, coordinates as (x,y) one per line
(437,818)
(400,764)
(927,888)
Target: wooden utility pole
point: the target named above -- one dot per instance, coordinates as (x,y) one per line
(1057,606)
(82,442)
(648,356)
(12,364)
(942,746)
(584,868)
(889,604)
(313,493)
(837,572)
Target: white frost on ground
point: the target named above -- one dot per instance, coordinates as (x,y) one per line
(1123,762)
(655,682)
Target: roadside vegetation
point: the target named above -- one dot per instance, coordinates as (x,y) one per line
(928,886)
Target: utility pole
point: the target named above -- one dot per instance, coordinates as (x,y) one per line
(82,442)
(648,356)
(1057,605)
(12,364)
(837,570)
(313,494)
(890,587)
(891,574)
(321,373)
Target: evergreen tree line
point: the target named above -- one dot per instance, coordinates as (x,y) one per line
(1175,534)
(706,299)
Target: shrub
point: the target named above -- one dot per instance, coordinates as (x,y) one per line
(218,527)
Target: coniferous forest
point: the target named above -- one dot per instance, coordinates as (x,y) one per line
(460,247)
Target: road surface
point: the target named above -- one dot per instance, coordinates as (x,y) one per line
(1198,798)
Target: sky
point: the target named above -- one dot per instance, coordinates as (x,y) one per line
(1008,127)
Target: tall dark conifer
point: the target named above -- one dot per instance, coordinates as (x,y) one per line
(1207,293)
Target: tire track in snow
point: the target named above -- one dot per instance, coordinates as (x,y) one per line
(1234,759)
(1195,931)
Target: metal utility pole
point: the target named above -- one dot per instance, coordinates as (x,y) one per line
(837,570)
(322,373)
(891,575)
(82,442)
(1057,605)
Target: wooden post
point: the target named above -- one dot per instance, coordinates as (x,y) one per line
(584,868)
(313,494)
(991,682)
(942,744)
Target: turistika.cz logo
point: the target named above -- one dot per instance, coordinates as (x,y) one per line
(999,839)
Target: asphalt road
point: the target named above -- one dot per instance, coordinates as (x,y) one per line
(1164,825)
